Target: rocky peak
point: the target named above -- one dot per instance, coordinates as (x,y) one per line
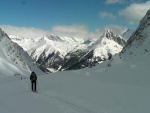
(2,34)
(54,38)
(116,37)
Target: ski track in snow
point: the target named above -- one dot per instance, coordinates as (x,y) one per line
(63,104)
(22,89)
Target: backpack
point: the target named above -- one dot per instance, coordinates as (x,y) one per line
(33,77)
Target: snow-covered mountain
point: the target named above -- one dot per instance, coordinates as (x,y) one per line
(108,43)
(54,52)
(47,44)
(13,57)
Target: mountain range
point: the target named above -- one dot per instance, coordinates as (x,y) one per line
(54,53)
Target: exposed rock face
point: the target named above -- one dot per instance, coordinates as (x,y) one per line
(140,39)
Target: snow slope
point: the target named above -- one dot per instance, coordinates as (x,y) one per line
(14,58)
(121,88)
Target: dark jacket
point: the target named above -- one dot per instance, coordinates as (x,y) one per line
(33,77)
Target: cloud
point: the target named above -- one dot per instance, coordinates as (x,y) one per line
(71,30)
(28,32)
(134,13)
(114,1)
(77,31)
(61,30)
(81,31)
(104,15)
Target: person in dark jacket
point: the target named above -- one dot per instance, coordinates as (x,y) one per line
(33,79)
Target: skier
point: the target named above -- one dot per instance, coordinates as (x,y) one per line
(33,79)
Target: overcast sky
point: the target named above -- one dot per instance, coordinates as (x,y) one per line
(81,18)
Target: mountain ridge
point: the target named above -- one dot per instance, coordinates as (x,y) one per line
(50,48)
(14,54)
(139,37)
